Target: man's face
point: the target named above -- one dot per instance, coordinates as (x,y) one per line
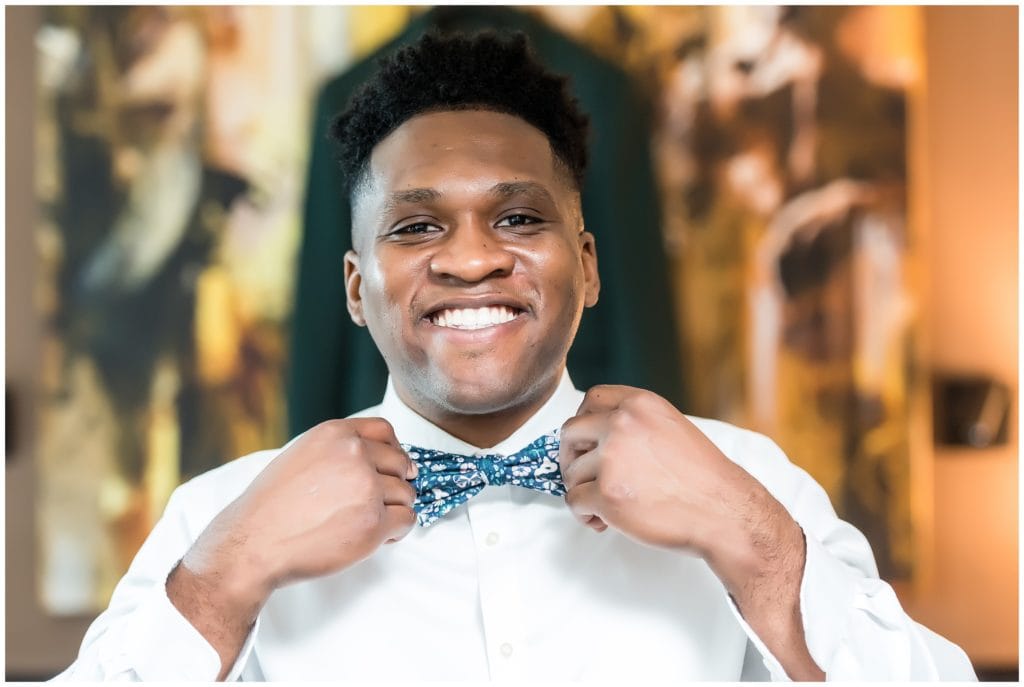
(471,267)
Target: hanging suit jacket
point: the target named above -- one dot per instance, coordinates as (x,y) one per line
(629,337)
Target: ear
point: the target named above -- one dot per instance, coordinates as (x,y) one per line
(591,279)
(353,280)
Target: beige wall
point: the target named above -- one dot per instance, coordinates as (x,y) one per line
(967,143)
(966,146)
(37,645)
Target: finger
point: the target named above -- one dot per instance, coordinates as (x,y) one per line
(604,398)
(398,522)
(584,501)
(391,461)
(397,491)
(376,429)
(583,432)
(578,435)
(583,468)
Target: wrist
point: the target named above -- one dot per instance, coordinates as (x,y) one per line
(223,617)
(758,552)
(206,595)
(232,579)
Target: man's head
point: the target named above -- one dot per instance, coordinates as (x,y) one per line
(471,266)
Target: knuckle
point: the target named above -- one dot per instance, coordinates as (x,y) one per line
(622,420)
(633,403)
(374,424)
(569,426)
(612,490)
(595,392)
(331,429)
(350,444)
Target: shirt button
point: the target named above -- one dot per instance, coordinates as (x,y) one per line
(492,540)
(506,649)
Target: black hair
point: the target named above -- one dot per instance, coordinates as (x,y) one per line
(440,72)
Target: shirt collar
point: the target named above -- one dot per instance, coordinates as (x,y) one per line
(412,428)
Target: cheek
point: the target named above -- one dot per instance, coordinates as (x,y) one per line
(385,293)
(561,279)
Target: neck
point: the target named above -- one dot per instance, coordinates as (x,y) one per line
(482,429)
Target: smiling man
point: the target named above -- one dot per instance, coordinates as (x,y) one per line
(487,520)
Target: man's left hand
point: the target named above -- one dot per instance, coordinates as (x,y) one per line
(632,461)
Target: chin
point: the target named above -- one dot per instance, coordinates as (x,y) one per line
(485,391)
(482,396)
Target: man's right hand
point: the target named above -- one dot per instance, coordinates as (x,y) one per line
(327,502)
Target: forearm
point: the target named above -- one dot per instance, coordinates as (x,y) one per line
(770,603)
(223,618)
(762,569)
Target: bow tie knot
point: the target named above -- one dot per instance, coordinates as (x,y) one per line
(492,470)
(446,480)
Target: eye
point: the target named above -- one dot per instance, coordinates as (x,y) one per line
(518,220)
(415,228)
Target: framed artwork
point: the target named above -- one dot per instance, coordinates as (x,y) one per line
(171,157)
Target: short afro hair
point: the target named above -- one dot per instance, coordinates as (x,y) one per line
(439,72)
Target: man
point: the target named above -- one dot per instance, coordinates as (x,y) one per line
(419,539)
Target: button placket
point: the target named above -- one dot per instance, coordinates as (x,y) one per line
(498,581)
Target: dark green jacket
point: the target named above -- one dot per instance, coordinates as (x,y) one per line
(629,337)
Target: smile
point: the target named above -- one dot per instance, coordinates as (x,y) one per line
(474,318)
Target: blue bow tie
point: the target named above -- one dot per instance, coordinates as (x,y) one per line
(447,480)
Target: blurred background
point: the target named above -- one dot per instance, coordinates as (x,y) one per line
(806,220)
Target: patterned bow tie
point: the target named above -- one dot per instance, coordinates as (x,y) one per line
(447,480)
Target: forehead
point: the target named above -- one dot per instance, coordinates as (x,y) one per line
(466,146)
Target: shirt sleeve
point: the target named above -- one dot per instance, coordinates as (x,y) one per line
(854,625)
(142,635)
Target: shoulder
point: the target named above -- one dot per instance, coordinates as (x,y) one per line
(200,499)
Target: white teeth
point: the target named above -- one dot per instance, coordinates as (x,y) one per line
(473,318)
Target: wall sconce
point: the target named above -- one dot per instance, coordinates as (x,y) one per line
(970,410)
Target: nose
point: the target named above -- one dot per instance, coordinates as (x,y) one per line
(471,253)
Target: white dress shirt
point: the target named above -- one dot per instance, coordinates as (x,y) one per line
(511,586)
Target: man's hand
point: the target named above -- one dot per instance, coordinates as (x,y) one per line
(632,461)
(327,502)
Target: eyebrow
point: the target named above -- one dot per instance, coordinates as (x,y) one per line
(502,190)
(508,189)
(412,195)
